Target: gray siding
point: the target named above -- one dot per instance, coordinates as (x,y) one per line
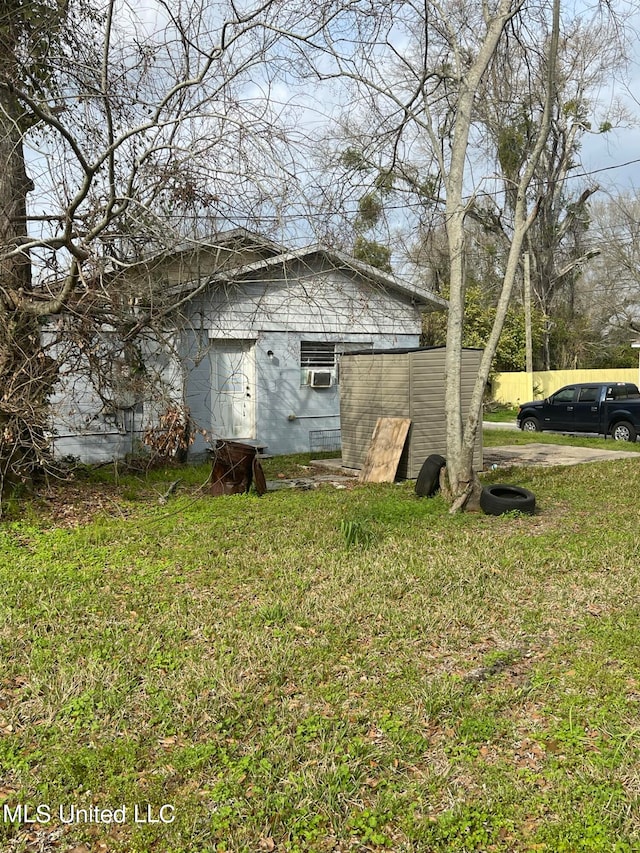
(286,411)
(197,368)
(307,301)
(275,309)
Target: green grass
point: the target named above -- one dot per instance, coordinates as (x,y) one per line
(497,437)
(501,414)
(325,670)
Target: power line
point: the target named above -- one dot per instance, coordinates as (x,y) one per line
(604,169)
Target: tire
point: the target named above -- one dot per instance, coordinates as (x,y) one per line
(623,431)
(530,425)
(428,481)
(499,498)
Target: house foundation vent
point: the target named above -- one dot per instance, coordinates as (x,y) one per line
(324,440)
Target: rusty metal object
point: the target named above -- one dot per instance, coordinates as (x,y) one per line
(234,467)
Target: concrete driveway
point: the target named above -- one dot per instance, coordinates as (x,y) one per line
(549,454)
(545,455)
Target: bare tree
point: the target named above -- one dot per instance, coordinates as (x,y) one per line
(423,70)
(558,244)
(124,130)
(429,83)
(609,291)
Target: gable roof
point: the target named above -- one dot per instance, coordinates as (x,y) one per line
(337,260)
(231,247)
(237,239)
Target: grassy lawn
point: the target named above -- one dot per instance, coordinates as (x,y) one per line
(502,414)
(498,437)
(323,670)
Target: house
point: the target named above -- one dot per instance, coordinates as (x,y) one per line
(254,346)
(261,356)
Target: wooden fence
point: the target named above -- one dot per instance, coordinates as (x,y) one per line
(516,388)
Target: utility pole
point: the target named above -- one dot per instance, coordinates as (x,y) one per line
(527,324)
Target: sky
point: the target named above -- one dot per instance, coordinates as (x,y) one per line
(614,157)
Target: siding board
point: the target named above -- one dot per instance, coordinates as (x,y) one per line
(326,302)
(405,384)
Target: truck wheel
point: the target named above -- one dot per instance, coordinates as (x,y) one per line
(623,431)
(530,425)
(428,481)
(499,498)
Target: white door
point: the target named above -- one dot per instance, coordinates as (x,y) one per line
(233,391)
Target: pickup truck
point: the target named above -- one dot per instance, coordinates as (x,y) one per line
(606,408)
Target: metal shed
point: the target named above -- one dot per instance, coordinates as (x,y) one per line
(405,383)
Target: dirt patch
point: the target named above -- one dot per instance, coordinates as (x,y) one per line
(320,474)
(507,456)
(72,505)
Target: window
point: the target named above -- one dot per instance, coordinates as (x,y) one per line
(317,354)
(622,392)
(565,395)
(318,364)
(589,395)
(318,359)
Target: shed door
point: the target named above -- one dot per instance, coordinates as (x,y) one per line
(233,392)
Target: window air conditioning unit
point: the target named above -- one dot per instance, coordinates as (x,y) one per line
(320,378)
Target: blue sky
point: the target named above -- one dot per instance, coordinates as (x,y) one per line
(614,159)
(615,156)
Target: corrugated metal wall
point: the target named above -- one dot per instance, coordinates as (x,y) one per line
(427,433)
(406,384)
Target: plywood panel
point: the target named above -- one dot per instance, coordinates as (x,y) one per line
(385,450)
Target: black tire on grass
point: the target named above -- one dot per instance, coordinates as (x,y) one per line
(428,481)
(500,498)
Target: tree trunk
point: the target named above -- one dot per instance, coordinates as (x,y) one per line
(463,482)
(26,374)
(459,461)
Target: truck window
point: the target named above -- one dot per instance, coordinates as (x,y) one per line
(589,395)
(621,392)
(564,395)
